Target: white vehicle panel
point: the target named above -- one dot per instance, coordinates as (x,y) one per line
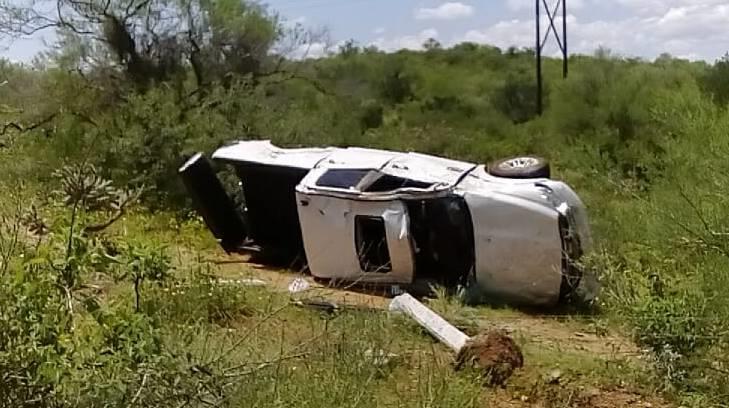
(428,169)
(263,152)
(357,158)
(328,229)
(518,249)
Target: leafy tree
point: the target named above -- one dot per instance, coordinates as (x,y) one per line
(152,41)
(431,44)
(349,49)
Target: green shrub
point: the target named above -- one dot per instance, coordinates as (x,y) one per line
(517,98)
(143,261)
(35,344)
(676,322)
(715,81)
(371,116)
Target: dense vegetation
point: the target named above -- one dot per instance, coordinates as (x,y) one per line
(101,302)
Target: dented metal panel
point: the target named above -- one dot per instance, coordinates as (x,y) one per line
(517,249)
(328,228)
(430,169)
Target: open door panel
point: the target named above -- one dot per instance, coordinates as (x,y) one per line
(358,241)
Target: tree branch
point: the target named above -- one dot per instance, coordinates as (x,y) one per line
(22,129)
(126,199)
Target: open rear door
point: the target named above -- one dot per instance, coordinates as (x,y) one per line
(213,203)
(356,241)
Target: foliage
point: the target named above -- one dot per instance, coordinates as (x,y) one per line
(716,81)
(678,323)
(34,344)
(152,41)
(200,299)
(515,99)
(142,261)
(81,185)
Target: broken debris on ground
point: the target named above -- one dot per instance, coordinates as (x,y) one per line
(494,353)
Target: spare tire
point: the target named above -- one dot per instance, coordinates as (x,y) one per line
(521,167)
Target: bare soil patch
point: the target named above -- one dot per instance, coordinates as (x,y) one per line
(494,353)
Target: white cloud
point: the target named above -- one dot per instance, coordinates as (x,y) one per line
(681,28)
(379,30)
(410,42)
(312,50)
(446,11)
(517,5)
(657,7)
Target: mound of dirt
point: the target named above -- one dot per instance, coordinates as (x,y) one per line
(494,353)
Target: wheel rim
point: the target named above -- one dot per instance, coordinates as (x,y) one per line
(519,163)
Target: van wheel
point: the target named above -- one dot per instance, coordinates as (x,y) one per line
(521,167)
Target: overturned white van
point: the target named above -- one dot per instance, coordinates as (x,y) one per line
(506,233)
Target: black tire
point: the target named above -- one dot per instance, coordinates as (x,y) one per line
(521,167)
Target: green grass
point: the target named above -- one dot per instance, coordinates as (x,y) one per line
(306,358)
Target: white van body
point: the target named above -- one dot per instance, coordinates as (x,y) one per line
(519,238)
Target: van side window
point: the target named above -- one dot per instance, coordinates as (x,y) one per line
(371,244)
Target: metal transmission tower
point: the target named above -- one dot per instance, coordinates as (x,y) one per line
(543,7)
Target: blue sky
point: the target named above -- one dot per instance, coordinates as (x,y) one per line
(694,29)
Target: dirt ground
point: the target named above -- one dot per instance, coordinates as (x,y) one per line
(558,335)
(494,353)
(549,332)
(588,398)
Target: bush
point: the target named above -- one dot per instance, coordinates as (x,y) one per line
(676,322)
(35,347)
(715,81)
(143,261)
(371,116)
(397,85)
(517,99)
